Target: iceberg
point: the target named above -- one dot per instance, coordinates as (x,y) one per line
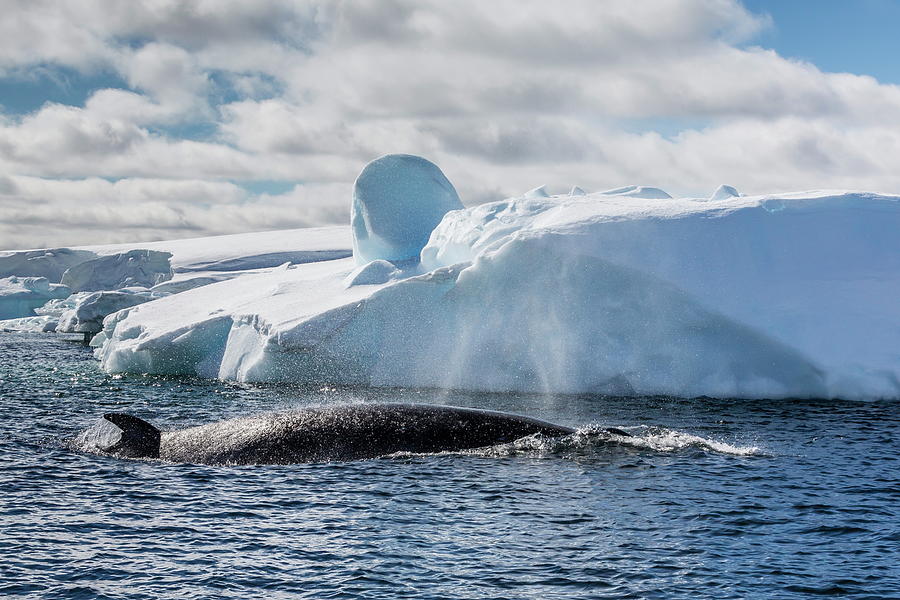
(50,263)
(133,268)
(89,310)
(618,292)
(19,296)
(118,267)
(200,261)
(37,324)
(218,257)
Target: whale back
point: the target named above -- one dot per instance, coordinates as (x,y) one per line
(139,439)
(347,432)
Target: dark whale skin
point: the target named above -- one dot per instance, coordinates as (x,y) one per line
(344,433)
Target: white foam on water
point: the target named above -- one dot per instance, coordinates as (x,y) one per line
(643,437)
(662,439)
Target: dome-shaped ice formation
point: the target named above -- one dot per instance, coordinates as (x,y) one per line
(723,192)
(638,191)
(538,192)
(398,200)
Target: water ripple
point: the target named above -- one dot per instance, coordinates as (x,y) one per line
(707,499)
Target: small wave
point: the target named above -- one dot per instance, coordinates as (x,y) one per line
(662,439)
(594,438)
(100,434)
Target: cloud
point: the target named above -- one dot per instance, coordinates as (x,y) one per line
(512,141)
(37,212)
(503,95)
(275,126)
(168,74)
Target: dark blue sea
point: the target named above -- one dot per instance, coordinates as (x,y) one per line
(711,499)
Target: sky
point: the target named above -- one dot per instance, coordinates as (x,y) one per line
(160,119)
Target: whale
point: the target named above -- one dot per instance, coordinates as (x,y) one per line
(327,433)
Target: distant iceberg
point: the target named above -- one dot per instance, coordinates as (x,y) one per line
(628,291)
(121,273)
(50,263)
(87,315)
(19,296)
(144,268)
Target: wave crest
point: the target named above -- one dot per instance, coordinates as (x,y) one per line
(590,439)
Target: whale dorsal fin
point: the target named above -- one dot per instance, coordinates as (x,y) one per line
(139,438)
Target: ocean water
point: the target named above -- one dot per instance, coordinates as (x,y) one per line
(710,499)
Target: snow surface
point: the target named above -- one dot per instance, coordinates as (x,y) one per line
(182,283)
(246,251)
(397,200)
(201,261)
(377,271)
(638,191)
(765,296)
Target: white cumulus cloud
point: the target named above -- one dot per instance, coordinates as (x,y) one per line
(503,95)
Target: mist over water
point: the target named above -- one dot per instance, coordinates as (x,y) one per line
(708,498)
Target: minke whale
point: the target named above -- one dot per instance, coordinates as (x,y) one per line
(325,434)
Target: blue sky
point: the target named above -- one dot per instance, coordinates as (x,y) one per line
(148,119)
(858,36)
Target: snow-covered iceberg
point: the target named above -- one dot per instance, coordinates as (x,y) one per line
(50,263)
(36,324)
(144,268)
(625,292)
(19,296)
(201,261)
(179,264)
(89,310)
